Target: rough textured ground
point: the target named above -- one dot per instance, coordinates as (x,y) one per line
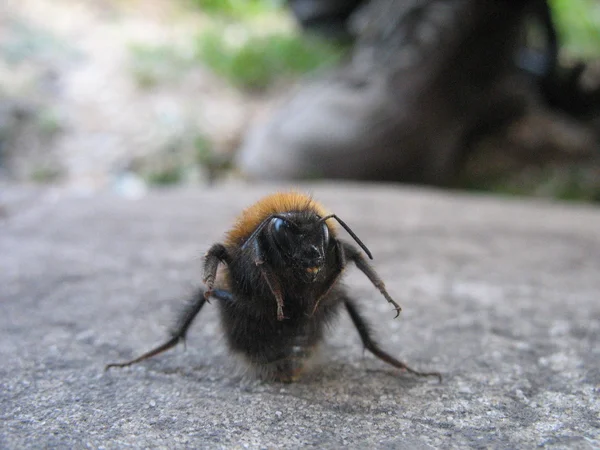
(499,295)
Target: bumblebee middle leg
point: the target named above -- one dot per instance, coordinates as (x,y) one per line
(352,254)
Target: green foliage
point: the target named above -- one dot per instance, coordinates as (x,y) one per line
(46,174)
(247,47)
(179,160)
(166,176)
(574,182)
(49,122)
(235,8)
(202,149)
(578,23)
(257,61)
(152,65)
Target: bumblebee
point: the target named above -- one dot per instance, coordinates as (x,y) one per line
(282,267)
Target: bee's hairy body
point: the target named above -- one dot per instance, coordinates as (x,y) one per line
(276,349)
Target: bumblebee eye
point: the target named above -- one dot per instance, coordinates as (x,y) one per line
(325,235)
(279,225)
(281,233)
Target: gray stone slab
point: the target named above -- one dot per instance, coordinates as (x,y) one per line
(501,296)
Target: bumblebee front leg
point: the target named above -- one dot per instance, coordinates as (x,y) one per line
(270,278)
(216,254)
(359,260)
(331,280)
(373,347)
(178,332)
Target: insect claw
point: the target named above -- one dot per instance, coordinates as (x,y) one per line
(427,374)
(397,307)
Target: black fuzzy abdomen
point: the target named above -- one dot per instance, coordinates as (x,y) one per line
(275,349)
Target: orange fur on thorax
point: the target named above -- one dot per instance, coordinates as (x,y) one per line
(278,203)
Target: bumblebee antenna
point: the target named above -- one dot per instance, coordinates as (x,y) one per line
(350,232)
(263,224)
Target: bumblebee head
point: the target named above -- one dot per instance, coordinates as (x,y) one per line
(300,240)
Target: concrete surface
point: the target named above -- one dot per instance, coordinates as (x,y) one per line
(501,296)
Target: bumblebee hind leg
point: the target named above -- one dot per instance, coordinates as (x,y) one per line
(370,344)
(179,331)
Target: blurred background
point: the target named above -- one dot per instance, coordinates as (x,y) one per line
(124,95)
